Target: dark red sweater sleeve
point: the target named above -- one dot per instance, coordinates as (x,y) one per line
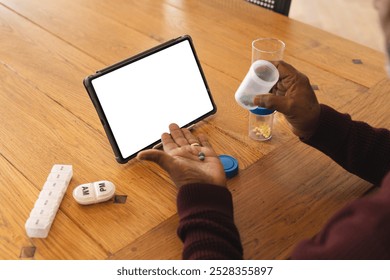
(361,230)
(207,226)
(356,146)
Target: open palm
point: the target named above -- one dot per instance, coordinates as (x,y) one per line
(181,160)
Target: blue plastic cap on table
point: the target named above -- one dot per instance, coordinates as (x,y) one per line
(230,165)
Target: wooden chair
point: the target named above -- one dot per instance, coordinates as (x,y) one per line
(279,6)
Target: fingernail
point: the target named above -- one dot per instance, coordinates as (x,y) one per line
(139,157)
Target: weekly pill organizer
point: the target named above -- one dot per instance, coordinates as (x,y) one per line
(46,206)
(136,99)
(45,209)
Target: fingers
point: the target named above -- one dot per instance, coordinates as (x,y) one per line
(191,139)
(274,102)
(178,135)
(204,141)
(287,77)
(156,156)
(168,142)
(285,69)
(181,137)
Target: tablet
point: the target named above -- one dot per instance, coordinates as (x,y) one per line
(136,99)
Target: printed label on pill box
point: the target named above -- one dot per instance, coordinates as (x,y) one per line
(60,186)
(43,212)
(62,168)
(47,203)
(59,176)
(55,194)
(85,193)
(94,192)
(38,227)
(102,189)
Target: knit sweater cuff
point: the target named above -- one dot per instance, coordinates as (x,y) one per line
(332,129)
(203,197)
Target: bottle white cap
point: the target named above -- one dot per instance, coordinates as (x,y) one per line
(261,77)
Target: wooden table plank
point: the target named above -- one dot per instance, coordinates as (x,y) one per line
(48,63)
(93,28)
(373,106)
(167,245)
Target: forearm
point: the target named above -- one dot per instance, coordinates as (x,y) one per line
(356,146)
(207,226)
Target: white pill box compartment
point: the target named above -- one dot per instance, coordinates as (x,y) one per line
(46,206)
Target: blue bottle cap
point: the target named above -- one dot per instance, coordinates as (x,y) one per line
(230,164)
(262,111)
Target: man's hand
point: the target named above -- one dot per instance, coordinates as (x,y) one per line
(181,159)
(294,97)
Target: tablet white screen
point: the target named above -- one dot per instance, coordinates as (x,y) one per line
(141,99)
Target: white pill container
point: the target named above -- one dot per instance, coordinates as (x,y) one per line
(260,79)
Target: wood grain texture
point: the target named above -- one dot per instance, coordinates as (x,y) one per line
(46,118)
(161,239)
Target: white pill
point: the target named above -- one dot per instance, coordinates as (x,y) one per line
(92,193)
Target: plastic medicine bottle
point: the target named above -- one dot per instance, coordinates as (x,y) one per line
(261,77)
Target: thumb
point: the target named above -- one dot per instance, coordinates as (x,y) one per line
(156,156)
(273,102)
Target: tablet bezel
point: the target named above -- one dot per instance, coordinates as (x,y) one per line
(100,111)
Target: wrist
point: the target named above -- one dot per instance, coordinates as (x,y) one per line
(204,196)
(212,182)
(331,128)
(311,124)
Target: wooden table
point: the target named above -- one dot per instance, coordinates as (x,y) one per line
(285,190)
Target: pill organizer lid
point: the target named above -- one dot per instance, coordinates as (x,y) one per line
(230,165)
(262,111)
